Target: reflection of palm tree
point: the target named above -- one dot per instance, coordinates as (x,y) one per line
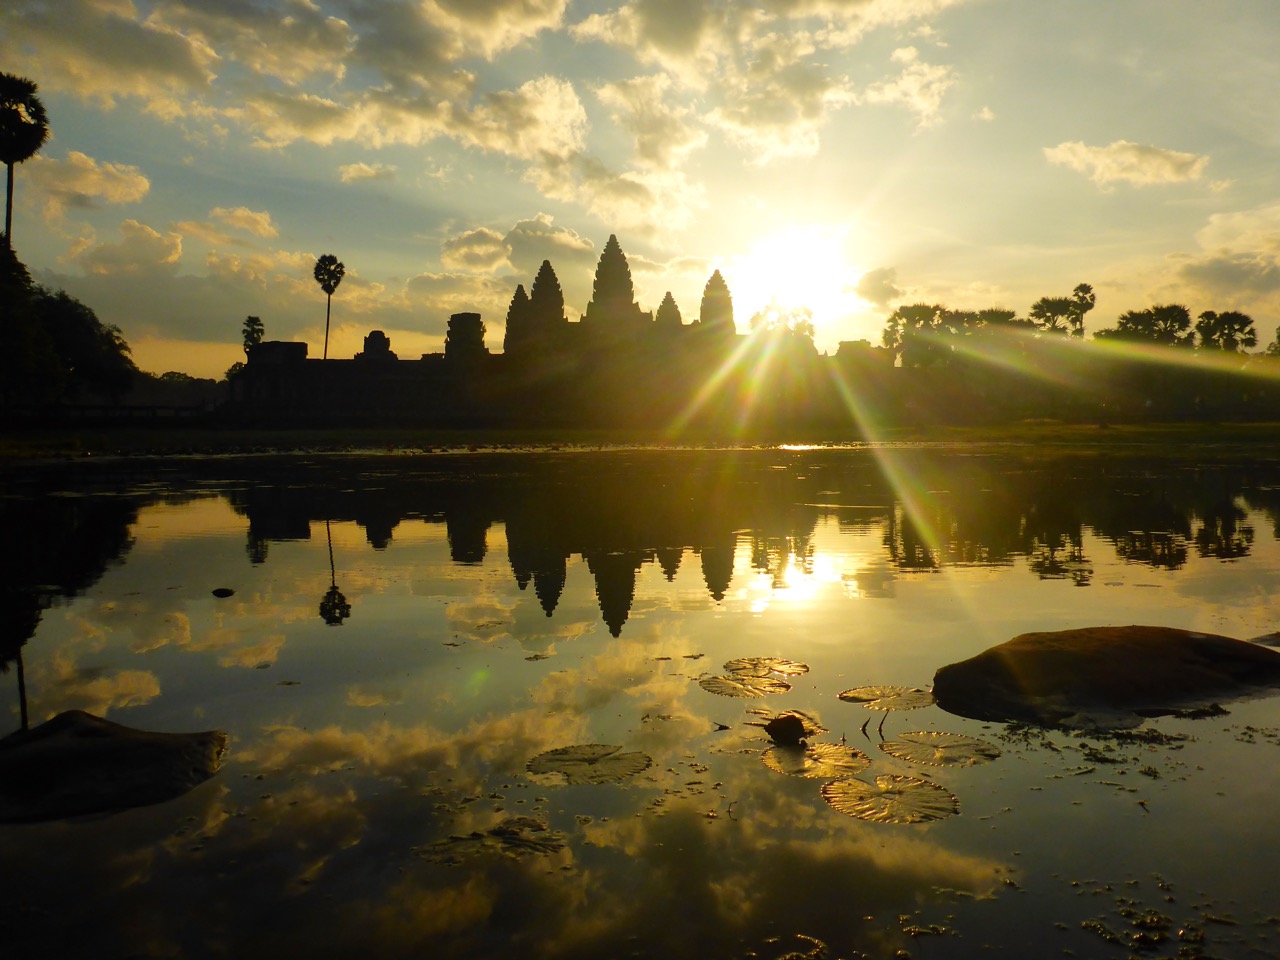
(329,273)
(334,607)
(24,128)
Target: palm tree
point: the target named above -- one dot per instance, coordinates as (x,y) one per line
(1230,331)
(329,273)
(252,331)
(24,128)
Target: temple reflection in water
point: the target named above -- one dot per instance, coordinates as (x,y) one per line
(619,512)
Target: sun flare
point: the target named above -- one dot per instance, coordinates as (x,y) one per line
(800,266)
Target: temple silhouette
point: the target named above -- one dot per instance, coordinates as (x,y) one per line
(616,365)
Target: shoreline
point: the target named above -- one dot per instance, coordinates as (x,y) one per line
(1172,440)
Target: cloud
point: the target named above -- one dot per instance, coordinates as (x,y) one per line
(645,201)
(81,182)
(879,286)
(140,250)
(1125,162)
(497,25)
(920,87)
(1254,231)
(847,21)
(413,55)
(1239,257)
(438,295)
(102,52)
(687,39)
(776,103)
(352,172)
(534,240)
(664,132)
(289,42)
(543,118)
(255,222)
(480,249)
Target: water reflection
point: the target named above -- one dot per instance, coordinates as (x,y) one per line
(507,605)
(619,515)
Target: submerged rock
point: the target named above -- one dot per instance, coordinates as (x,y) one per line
(1104,676)
(77,764)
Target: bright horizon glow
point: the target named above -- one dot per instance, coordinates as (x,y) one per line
(803,266)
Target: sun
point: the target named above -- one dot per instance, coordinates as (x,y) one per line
(799,266)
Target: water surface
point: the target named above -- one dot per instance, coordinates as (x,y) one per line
(407,632)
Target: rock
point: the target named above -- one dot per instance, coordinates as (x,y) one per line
(1104,676)
(77,764)
(786,729)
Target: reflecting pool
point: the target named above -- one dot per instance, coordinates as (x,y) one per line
(401,647)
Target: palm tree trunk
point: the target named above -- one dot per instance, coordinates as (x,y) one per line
(8,210)
(327,304)
(22,690)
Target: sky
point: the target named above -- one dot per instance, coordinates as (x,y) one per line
(841,156)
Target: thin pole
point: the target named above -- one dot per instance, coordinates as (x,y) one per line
(22,690)
(327,304)
(333,577)
(8,221)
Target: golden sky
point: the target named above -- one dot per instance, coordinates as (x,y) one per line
(846,156)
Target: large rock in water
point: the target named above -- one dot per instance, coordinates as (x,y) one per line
(1104,676)
(77,764)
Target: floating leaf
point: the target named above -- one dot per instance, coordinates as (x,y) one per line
(514,837)
(891,799)
(740,686)
(940,749)
(789,727)
(763,666)
(589,763)
(888,697)
(820,761)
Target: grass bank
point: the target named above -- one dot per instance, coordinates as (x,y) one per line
(1174,440)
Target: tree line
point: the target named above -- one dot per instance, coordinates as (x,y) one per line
(924,335)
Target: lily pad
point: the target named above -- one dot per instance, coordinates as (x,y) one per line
(891,799)
(763,666)
(888,697)
(588,763)
(819,761)
(941,749)
(742,686)
(515,837)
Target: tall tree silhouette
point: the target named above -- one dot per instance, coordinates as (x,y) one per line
(715,314)
(252,332)
(1166,324)
(329,273)
(1230,331)
(24,129)
(1064,314)
(911,334)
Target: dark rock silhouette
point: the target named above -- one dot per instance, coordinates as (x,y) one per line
(1104,676)
(77,764)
